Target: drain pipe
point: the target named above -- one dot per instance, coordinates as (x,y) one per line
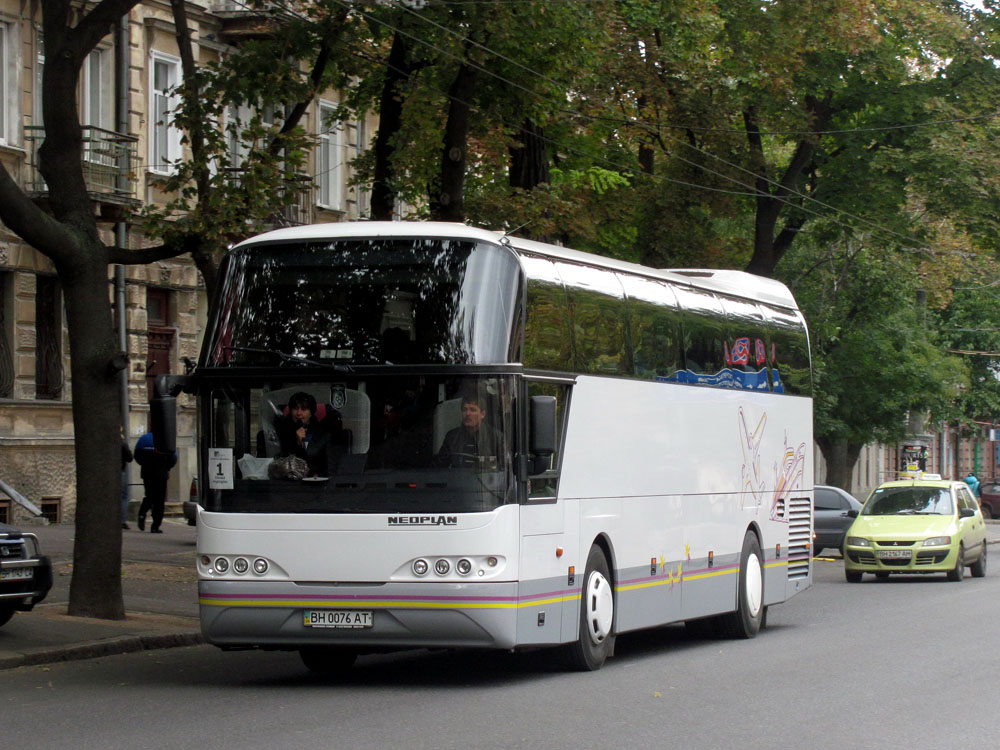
(122,54)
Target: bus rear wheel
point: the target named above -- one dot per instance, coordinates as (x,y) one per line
(327,660)
(748,618)
(597,615)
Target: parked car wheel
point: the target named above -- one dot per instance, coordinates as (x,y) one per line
(978,568)
(958,573)
(6,612)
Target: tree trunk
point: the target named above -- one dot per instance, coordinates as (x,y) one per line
(841,455)
(529,161)
(449,203)
(95,360)
(383,198)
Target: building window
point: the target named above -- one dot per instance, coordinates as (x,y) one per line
(5,516)
(6,335)
(160,338)
(51,508)
(48,338)
(165,137)
(329,159)
(97,96)
(358,201)
(4,64)
(10,107)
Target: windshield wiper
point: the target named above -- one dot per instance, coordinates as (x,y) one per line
(285,357)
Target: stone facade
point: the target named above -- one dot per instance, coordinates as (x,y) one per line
(36,434)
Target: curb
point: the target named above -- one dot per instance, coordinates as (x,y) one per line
(126,644)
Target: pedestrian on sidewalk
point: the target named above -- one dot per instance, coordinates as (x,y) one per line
(973,483)
(156,468)
(126,460)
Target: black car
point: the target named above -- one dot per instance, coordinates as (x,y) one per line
(25,574)
(830,517)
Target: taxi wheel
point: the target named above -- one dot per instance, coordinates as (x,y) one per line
(978,568)
(853,576)
(958,573)
(327,660)
(597,615)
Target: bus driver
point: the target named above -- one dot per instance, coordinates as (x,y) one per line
(472,441)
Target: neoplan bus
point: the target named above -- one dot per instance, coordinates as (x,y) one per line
(642,454)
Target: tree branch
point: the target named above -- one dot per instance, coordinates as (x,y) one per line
(138,256)
(31,224)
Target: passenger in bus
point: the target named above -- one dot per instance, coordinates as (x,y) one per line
(303,435)
(472,442)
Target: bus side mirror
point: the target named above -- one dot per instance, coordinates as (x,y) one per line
(541,432)
(163,413)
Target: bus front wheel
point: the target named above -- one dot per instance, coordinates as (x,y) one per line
(597,615)
(748,618)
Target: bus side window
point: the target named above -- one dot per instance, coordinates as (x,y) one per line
(597,307)
(545,486)
(547,339)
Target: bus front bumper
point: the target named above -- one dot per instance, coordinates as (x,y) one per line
(286,615)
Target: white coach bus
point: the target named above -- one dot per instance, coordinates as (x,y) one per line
(430,435)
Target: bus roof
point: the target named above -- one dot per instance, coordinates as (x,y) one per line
(736,283)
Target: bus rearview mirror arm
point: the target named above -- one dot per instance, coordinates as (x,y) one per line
(163,411)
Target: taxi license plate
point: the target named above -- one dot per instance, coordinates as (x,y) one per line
(338,618)
(15,574)
(894,554)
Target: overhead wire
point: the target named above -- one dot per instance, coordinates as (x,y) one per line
(755,191)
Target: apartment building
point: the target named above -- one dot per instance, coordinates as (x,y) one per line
(127,148)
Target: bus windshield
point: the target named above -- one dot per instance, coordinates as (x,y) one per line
(396,442)
(366,301)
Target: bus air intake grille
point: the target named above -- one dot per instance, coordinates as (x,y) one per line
(799,536)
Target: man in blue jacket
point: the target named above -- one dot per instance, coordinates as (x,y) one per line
(156,468)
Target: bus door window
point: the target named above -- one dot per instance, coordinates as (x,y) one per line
(545,487)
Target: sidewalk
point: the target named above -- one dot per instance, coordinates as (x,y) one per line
(160,589)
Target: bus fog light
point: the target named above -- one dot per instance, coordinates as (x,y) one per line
(240,565)
(491,561)
(221,564)
(420,567)
(441,567)
(464,567)
(260,566)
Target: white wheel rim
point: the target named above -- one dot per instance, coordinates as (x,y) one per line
(600,607)
(754,585)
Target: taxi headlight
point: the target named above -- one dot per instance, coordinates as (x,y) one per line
(937,541)
(857,541)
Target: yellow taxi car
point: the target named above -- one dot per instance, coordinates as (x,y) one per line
(917,526)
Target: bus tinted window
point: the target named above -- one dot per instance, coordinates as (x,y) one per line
(597,309)
(655,328)
(789,354)
(703,326)
(423,301)
(547,334)
(746,344)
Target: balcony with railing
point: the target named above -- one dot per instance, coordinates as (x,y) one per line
(111,167)
(297,197)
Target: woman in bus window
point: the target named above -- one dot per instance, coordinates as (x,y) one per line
(303,435)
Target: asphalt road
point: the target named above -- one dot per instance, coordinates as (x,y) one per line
(897,664)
